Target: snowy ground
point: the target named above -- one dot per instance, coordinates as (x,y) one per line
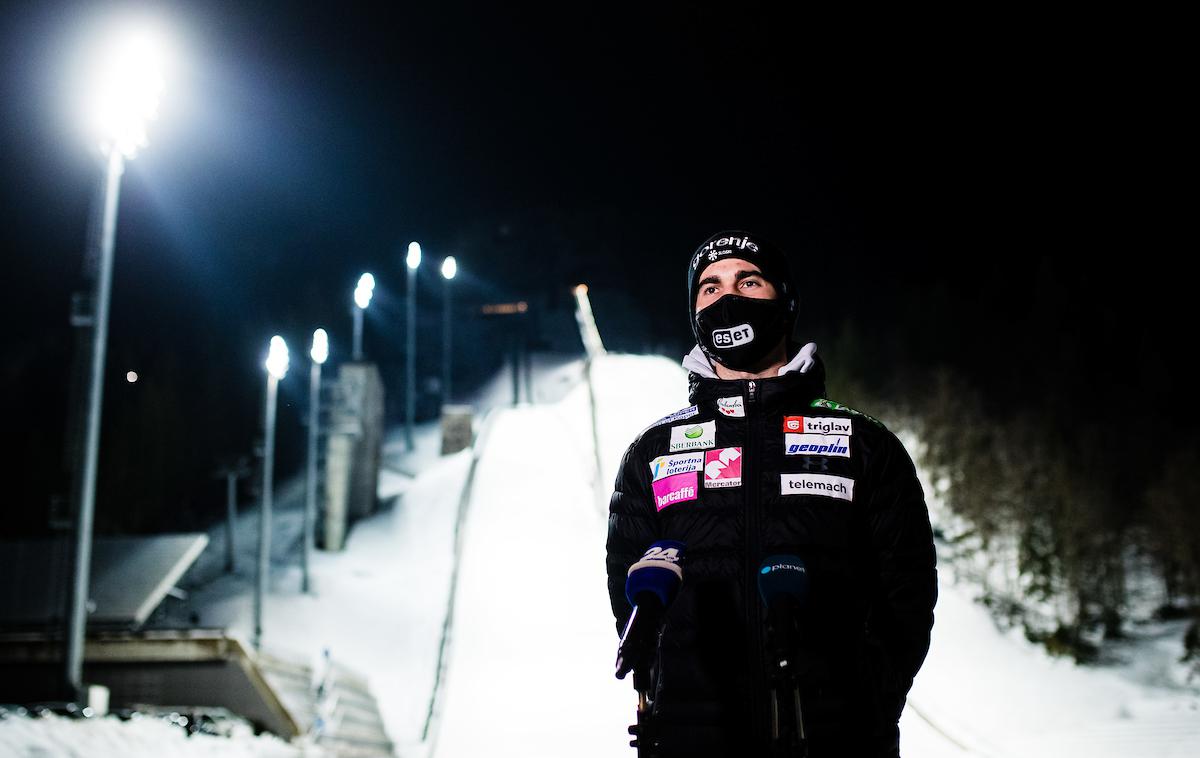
(532,642)
(379,605)
(52,736)
(528,669)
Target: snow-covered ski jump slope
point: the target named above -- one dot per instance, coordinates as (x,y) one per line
(532,644)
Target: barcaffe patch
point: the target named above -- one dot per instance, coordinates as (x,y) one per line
(675,489)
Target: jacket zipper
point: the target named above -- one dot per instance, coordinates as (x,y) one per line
(753,548)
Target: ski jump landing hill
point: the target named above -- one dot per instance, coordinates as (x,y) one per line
(531,645)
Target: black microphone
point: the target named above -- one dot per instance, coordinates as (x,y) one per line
(650,587)
(783,585)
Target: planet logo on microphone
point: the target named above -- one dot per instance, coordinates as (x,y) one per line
(783,576)
(781,567)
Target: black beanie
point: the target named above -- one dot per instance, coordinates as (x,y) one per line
(747,247)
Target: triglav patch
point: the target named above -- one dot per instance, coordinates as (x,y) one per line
(817,425)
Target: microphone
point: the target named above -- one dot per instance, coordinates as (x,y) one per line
(783,585)
(650,587)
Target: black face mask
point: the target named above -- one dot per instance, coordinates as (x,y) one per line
(738,331)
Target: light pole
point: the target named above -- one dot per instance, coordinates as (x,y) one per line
(449,269)
(277,366)
(127,94)
(319,353)
(413,259)
(362,298)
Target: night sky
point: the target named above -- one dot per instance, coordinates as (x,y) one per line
(964,189)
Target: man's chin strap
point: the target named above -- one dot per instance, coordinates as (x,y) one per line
(697,362)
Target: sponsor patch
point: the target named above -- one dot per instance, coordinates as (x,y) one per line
(823,403)
(675,489)
(723,468)
(816,444)
(676,416)
(824,485)
(733,336)
(728,245)
(693,436)
(734,407)
(670,465)
(817,425)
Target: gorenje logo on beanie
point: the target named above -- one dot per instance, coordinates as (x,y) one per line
(711,251)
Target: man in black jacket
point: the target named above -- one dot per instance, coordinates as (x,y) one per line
(762,464)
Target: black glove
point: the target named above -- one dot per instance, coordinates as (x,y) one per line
(640,642)
(637,649)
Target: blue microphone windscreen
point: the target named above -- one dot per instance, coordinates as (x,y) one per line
(658,571)
(783,575)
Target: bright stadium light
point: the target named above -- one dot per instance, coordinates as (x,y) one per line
(362,298)
(121,98)
(364,291)
(413,259)
(320,346)
(449,270)
(319,354)
(277,358)
(277,366)
(128,83)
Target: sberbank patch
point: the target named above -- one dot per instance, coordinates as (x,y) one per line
(699,436)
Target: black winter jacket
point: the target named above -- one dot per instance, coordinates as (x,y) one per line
(837,489)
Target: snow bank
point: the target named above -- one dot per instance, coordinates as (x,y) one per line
(139,737)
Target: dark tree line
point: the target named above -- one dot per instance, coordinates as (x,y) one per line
(1063,452)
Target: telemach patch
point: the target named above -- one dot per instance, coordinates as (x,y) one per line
(693,436)
(822,485)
